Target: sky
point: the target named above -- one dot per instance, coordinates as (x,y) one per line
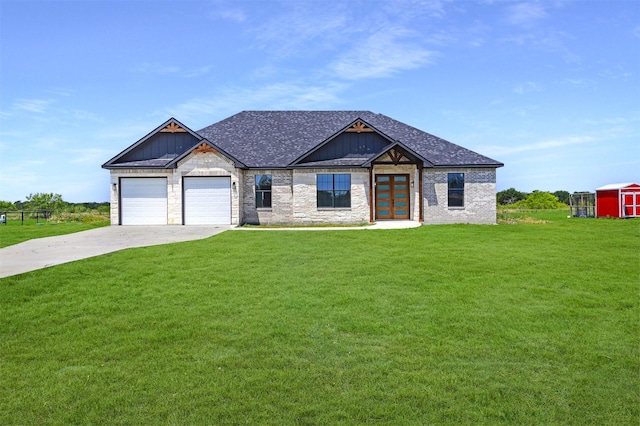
(549,88)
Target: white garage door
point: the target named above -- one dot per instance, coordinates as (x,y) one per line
(143,201)
(207,200)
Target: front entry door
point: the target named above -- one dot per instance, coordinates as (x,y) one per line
(392,196)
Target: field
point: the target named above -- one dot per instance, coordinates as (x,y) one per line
(534,321)
(15,231)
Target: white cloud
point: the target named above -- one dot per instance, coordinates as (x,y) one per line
(540,146)
(525,14)
(324,26)
(228,11)
(174,70)
(382,55)
(197,72)
(90,155)
(33,105)
(579,82)
(527,87)
(286,95)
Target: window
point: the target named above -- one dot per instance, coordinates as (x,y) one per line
(456,189)
(334,191)
(263,191)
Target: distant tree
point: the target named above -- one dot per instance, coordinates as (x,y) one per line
(6,205)
(45,201)
(510,196)
(563,196)
(540,200)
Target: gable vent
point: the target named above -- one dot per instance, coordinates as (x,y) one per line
(359,127)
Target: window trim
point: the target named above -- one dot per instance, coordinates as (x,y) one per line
(333,192)
(261,192)
(457,192)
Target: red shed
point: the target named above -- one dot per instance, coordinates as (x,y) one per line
(618,200)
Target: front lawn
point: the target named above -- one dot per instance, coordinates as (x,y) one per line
(533,323)
(14,232)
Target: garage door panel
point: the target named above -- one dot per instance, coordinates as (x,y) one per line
(143,201)
(207,200)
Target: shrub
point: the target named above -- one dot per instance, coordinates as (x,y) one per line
(539,200)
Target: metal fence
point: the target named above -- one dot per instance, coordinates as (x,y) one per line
(41,216)
(582,204)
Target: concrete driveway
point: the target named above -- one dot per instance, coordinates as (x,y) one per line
(44,252)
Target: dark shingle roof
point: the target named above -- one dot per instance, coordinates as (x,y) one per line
(275,139)
(281,139)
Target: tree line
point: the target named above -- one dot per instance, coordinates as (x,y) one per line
(534,200)
(50,202)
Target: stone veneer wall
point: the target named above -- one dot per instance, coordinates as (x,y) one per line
(479,196)
(281,198)
(305,207)
(294,197)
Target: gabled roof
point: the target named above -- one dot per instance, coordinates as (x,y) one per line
(277,139)
(282,139)
(205,146)
(616,186)
(159,161)
(358,125)
(403,149)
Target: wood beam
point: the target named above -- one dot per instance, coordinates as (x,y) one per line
(371,197)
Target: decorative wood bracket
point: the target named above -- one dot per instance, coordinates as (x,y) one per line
(395,156)
(359,127)
(203,147)
(173,128)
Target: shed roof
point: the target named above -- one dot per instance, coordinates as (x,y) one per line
(616,186)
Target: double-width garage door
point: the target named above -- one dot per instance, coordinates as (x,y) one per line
(207,200)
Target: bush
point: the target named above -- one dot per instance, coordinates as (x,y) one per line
(540,200)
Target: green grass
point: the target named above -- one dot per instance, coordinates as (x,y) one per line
(15,232)
(511,324)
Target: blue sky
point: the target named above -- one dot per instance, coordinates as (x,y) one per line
(550,88)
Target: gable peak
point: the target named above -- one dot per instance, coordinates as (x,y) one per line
(172,127)
(203,148)
(359,127)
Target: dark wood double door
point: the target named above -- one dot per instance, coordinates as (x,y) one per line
(392,196)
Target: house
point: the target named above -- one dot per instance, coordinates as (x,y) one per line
(618,200)
(299,167)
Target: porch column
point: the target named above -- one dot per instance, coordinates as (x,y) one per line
(421,202)
(371,194)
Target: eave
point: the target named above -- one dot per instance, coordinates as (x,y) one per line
(172,121)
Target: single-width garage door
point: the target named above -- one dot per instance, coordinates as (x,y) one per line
(143,201)
(207,200)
